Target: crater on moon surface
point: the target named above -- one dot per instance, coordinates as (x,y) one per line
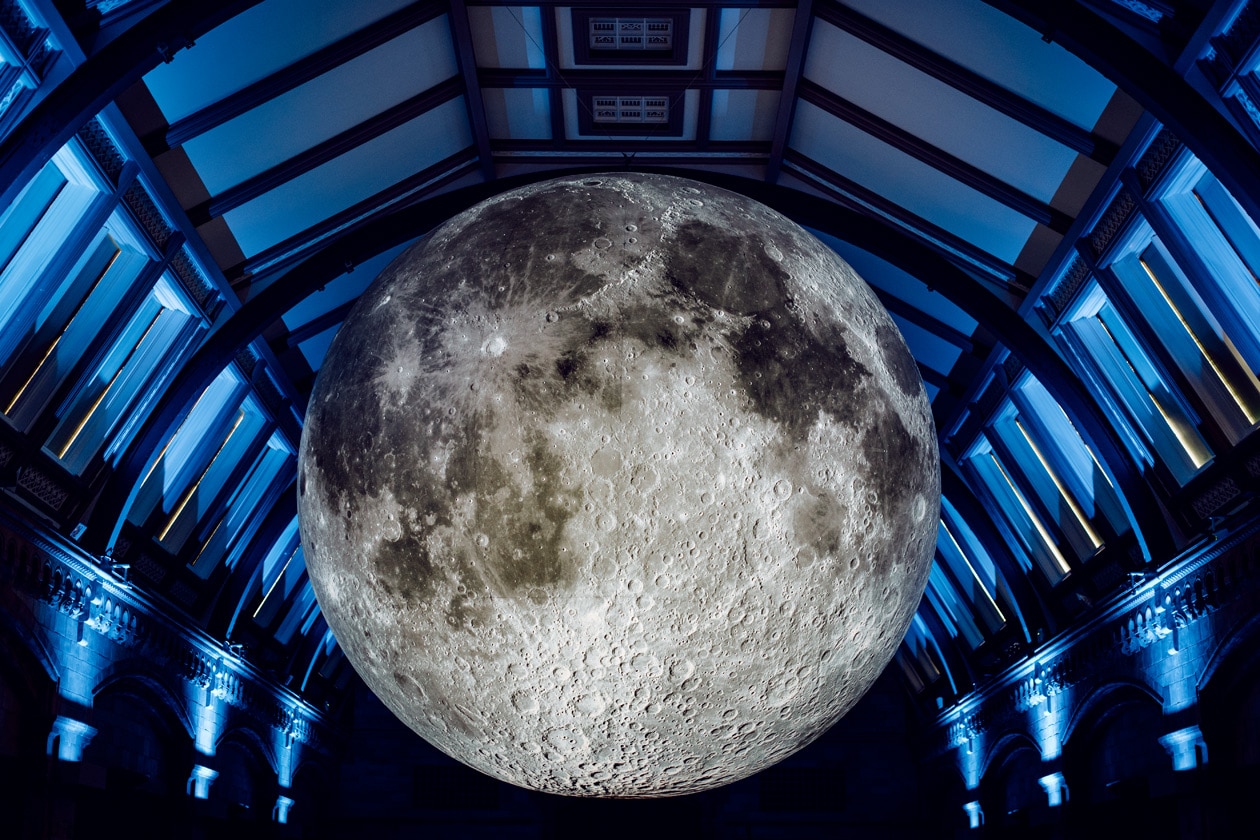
(619,486)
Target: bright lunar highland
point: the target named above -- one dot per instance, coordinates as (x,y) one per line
(620,485)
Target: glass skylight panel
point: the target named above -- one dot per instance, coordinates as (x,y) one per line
(253,45)
(320,109)
(909,182)
(991,43)
(508,36)
(937,113)
(754,39)
(377,165)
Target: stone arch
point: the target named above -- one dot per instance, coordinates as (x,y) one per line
(1113,762)
(1098,703)
(151,686)
(144,754)
(310,792)
(142,739)
(1236,653)
(1010,795)
(247,781)
(27,694)
(1229,714)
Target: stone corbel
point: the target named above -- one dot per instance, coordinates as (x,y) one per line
(69,738)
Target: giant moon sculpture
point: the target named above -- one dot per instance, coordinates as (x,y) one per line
(619,486)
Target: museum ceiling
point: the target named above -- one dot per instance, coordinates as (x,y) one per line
(267,159)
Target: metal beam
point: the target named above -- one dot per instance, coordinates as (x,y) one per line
(802,26)
(99,80)
(708,65)
(301,71)
(632,81)
(916,147)
(323,152)
(1156,87)
(919,318)
(461,32)
(968,82)
(933,377)
(551,60)
(856,197)
(412,188)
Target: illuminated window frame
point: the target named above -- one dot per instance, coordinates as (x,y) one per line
(224,532)
(41,234)
(1158,426)
(103,409)
(1218,244)
(1190,339)
(1017,516)
(1033,469)
(1075,463)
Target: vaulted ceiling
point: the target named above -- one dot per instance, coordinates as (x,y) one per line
(269,158)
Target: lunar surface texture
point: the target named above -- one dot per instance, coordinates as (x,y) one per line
(619,485)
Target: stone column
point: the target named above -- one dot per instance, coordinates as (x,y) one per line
(1189,754)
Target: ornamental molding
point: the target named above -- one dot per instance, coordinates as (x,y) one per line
(104,604)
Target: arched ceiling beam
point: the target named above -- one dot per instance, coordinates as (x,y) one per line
(922,319)
(957,666)
(99,80)
(875,236)
(1156,86)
